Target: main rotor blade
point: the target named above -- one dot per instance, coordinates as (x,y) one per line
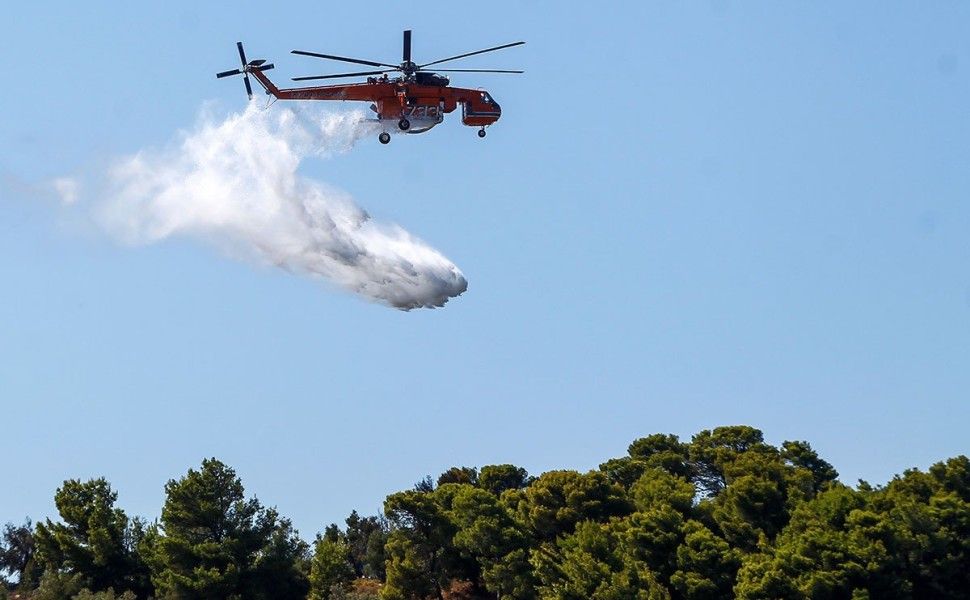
(471,54)
(345,59)
(256,63)
(407,45)
(249,88)
(342,75)
(228,73)
(265,67)
(475,71)
(242,54)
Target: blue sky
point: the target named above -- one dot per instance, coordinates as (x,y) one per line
(690,215)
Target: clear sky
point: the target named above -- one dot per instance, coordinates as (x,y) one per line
(690,215)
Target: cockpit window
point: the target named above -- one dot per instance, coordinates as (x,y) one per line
(487,98)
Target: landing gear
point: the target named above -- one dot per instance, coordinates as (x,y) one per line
(481,132)
(404,124)
(384,137)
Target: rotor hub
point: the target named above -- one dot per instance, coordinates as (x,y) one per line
(409,68)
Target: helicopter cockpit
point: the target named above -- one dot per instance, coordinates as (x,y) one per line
(487,99)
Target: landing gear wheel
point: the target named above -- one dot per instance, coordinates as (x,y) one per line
(481,132)
(384,137)
(404,124)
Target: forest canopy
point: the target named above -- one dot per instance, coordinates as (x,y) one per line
(723,515)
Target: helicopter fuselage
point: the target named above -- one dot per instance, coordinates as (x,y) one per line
(395,100)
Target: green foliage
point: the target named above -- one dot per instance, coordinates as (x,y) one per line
(664,452)
(800,454)
(349,564)
(713,452)
(330,568)
(487,531)
(953,476)
(408,569)
(496,479)
(558,500)
(421,557)
(58,586)
(725,515)
(817,555)
(706,564)
(213,543)
(108,594)
(17,549)
(594,562)
(658,451)
(459,475)
(657,488)
(366,538)
(95,543)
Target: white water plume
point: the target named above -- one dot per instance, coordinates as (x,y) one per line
(235,183)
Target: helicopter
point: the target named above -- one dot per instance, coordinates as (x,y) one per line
(414,102)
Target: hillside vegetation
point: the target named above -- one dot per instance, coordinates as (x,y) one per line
(724,515)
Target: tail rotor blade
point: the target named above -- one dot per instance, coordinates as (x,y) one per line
(247,67)
(242,53)
(407,45)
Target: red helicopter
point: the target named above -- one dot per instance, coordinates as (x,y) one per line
(414,102)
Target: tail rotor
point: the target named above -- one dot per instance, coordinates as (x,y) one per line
(247,67)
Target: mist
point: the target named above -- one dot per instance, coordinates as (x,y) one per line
(234,183)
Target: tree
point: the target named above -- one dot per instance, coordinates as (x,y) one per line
(487,531)
(593,563)
(658,451)
(212,542)
(711,452)
(365,539)
(330,568)
(927,524)
(800,454)
(726,515)
(55,585)
(96,541)
(657,488)
(663,451)
(752,506)
(419,547)
(833,548)
(499,478)
(459,475)
(953,476)
(706,564)
(408,574)
(426,485)
(555,502)
(17,555)
(624,471)
(108,594)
